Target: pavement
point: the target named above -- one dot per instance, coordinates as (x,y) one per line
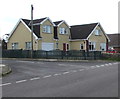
(52,60)
(61,79)
(4,69)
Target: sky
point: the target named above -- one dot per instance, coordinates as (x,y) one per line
(74,12)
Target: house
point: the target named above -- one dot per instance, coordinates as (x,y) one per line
(43,36)
(88,37)
(62,35)
(48,35)
(114,41)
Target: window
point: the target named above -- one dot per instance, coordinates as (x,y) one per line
(63,31)
(66,31)
(81,46)
(56,45)
(97,32)
(92,46)
(47,28)
(67,46)
(28,45)
(103,46)
(14,45)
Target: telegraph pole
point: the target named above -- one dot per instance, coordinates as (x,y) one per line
(31,31)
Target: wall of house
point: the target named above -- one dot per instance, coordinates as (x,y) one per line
(98,39)
(20,36)
(63,38)
(46,37)
(75,45)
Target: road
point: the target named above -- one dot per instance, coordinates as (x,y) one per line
(61,79)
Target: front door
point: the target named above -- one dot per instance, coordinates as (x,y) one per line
(64,46)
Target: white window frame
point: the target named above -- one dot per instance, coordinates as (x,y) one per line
(28,45)
(47,29)
(81,45)
(97,32)
(66,30)
(14,45)
(103,46)
(63,30)
(93,46)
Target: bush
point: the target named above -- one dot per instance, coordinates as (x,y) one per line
(114,56)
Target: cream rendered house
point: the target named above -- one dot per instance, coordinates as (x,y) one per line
(88,37)
(62,35)
(47,35)
(58,35)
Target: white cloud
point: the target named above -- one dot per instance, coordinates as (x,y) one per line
(72,11)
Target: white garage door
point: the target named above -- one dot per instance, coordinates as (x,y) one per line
(47,46)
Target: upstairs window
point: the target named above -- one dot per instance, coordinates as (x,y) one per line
(28,45)
(63,31)
(47,29)
(14,45)
(97,32)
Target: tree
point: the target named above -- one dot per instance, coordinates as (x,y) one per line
(4,44)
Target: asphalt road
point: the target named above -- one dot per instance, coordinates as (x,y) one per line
(61,79)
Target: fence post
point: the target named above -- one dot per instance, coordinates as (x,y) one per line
(62,54)
(46,55)
(94,55)
(84,54)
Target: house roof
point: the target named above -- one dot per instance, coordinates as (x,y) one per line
(36,24)
(57,22)
(82,31)
(26,21)
(114,40)
(36,28)
(38,20)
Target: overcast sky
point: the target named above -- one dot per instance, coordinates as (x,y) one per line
(74,12)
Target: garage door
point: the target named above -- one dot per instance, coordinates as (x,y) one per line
(47,46)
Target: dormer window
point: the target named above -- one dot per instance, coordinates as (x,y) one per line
(97,32)
(63,31)
(47,29)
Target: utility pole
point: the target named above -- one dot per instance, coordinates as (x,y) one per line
(31,31)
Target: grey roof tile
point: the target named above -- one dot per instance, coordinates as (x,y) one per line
(82,31)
